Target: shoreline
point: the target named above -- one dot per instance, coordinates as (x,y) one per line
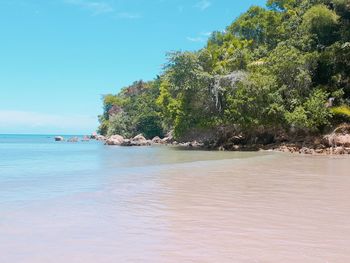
(290,147)
(334,143)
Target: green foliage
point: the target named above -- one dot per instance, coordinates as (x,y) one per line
(136,111)
(120,124)
(281,5)
(312,114)
(272,68)
(259,25)
(322,22)
(343,111)
(185,102)
(150,125)
(255,103)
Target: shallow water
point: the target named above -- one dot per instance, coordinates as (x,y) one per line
(87,202)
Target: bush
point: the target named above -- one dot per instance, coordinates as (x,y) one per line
(120,124)
(313,114)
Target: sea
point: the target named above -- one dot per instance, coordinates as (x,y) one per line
(86,202)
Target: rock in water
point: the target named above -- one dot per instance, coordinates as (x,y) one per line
(140,140)
(100,138)
(85,139)
(59,139)
(74,139)
(157,140)
(169,138)
(126,142)
(115,140)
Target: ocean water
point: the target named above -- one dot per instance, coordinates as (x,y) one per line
(87,202)
(35,167)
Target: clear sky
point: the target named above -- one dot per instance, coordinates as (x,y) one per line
(57,57)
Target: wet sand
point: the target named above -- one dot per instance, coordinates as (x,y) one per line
(260,208)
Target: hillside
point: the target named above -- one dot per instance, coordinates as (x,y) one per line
(278,71)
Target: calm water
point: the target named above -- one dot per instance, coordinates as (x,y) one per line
(87,203)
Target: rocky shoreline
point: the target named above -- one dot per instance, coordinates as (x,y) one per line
(335,143)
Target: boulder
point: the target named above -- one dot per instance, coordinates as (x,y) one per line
(73,139)
(306,150)
(339,137)
(339,150)
(126,142)
(335,139)
(115,140)
(140,140)
(157,140)
(195,144)
(59,139)
(169,138)
(100,138)
(85,139)
(342,139)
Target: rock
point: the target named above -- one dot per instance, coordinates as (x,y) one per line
(221,148)
(239,139)
(334,139)
(73,139)
(157,140)
(97,137)
(184,144)
(169,138)
(195,144)
(85,139)
(140,140)
(342,139)
(284,149)
(139,137)
(339,137)
(59,139)
(126,142)
(306,150)
(115,140)
(319,151)
(236,147)
(100,138)
(339,150)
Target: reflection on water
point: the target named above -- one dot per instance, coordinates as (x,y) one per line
(181,206)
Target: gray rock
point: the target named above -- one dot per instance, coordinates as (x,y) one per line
(157,140)
(100,138)
(169,138)
(126,142)
(115,140)
(339,150)
(306,150)
(59,139)
(73,139)
(85,139)
(140,140)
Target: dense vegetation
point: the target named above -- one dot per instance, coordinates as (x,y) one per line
(283,67)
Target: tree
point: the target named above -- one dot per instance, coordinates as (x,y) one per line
(120,124)
(312,114)
(259,25)
(323,23)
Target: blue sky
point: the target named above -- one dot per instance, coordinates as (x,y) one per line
(57,57)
